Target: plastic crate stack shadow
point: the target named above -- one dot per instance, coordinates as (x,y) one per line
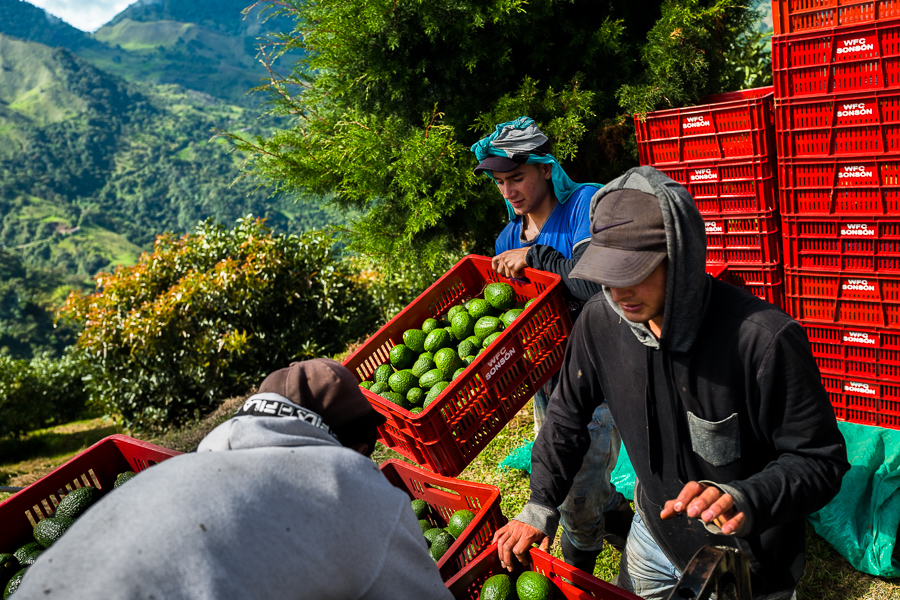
(723,152)
(451,431)
(836,67)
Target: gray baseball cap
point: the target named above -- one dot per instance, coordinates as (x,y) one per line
(628,240)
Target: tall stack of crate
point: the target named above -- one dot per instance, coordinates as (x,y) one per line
(836,67)
(723,152)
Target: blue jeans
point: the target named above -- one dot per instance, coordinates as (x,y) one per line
(592,492)
(644,569)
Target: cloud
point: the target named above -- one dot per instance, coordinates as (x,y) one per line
(87,15)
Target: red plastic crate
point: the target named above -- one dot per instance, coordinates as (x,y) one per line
(447,496)
(855,351)
(572,583)
(845,299)
(869,245)
(727,187)
(838,125)
(795,16)
(864,401)
(736,125)
(851,186)
(96,467)
(463,419)
(743,239)
(763,281)
(858,58)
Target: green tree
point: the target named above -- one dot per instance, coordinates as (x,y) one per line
(391,93)
(208,315)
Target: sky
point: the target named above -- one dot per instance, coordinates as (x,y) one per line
(87,15)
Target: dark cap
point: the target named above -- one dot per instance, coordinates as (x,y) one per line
(503,164)
(325,387)
(628,240)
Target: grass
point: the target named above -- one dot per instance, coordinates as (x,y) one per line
(828,575)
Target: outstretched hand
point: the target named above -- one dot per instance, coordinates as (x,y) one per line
(515,539)
(707,503)
(510,263)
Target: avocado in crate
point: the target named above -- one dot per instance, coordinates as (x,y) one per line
(37,516)
(474,324)
(490,343)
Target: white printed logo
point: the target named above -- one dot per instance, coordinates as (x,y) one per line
(854,110)
(695,122)
(859,337)
(703,175)
(857,45)
(496,363)
(858,229)
(861,388)
(714,227)
(855,171)
(861,285)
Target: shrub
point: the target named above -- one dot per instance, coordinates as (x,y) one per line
(39,392)
(208,315)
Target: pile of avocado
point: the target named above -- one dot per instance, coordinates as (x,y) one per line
(440,538)
(431,357)
(530,585)
(47,531)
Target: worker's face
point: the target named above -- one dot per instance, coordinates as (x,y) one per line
(644,302)
(526,187)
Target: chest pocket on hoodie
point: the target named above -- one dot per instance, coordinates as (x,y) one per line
(719,442)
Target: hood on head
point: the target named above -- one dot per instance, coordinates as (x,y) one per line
(687,284)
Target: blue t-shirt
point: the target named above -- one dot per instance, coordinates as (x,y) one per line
(567,225)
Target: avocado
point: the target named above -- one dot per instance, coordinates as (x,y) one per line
(462,325)
(434,392)
(25,551)
(379,387)
(401,357)
(485,326)
(532,585)
(454,310)
(500,295)
(414,339)
(422,366)
(466,347)
(478,307)
(123,478)
(366,384)
(415,396)
(429,325)
(509,316)
(51,529)
(430,378)
(76,502)
(437,339)
(440,544)
(489,339)
(402,381)
(498,587)
(459,521)
(383,372)
(447,360)
(13,583)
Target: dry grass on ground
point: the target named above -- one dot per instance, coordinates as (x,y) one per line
(828,575)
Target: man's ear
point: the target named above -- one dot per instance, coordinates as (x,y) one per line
(546,170)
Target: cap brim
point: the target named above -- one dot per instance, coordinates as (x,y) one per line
(614,267)
(501,164)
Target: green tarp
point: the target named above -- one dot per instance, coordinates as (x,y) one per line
(861,522)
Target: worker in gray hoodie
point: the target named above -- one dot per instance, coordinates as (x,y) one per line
(715,393)
(280,501)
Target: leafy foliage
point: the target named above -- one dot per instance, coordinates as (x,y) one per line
(39,392)
(687,54)
(27,310)
(208,315)
(390,95)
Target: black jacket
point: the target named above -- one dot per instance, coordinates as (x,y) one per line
(730,394)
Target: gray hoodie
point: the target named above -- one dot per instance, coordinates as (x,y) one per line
(266,508)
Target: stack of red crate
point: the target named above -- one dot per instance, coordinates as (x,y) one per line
(836,73)
(723,152)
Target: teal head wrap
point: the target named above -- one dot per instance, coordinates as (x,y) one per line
(520,141)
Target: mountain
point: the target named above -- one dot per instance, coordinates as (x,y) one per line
(28,22)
